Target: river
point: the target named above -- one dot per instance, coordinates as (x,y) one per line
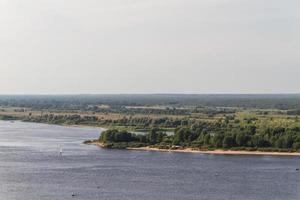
(32,169)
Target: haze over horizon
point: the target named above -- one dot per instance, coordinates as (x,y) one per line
(146,46)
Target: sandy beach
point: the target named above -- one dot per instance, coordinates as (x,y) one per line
(219,152)
(216,152)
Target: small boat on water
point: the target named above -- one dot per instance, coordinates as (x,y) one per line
(60,150)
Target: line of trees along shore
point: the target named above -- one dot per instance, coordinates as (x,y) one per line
(138,122)
(211,136)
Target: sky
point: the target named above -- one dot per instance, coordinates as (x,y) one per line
(149,46)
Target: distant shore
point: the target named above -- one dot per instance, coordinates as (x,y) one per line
(215,152)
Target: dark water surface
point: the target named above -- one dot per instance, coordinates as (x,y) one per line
(31,169)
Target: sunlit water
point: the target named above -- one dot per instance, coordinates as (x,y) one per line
(31,169)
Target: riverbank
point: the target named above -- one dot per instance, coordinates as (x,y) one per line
(215,152)
(94,142)
(219,152)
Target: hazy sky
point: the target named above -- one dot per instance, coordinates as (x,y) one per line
(149,46)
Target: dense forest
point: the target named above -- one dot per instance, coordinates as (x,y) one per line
(221,135)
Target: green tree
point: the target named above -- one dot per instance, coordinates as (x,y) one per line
(228,142)
(241,139)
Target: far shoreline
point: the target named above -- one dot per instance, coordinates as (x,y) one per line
(212,152)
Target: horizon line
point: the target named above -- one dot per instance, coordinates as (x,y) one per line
(150,93)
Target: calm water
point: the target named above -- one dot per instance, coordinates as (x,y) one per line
(31,169)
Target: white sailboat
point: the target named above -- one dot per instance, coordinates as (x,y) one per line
(60,150)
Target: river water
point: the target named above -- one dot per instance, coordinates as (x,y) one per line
(32,169)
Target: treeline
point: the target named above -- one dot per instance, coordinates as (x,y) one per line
(219,135)
(293,112)
(162,110)
(123,139)
(138,122)
(7,117)
(83,102)
(227,136)
(153,137)
(134,111)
